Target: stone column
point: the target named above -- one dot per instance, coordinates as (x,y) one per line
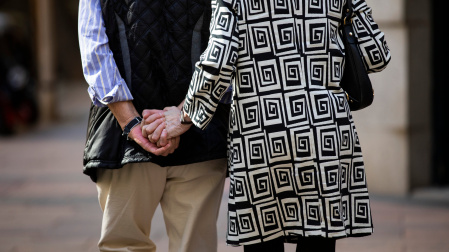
(383,127)
(420,92)
(45,49)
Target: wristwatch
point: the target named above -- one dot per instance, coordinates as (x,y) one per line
(133,123)
(182,119)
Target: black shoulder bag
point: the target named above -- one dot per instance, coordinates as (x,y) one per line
(355,81)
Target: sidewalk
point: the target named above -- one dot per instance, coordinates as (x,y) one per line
(47,204)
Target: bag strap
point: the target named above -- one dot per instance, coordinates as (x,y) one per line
(348,17)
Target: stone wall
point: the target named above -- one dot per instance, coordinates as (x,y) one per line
(382,127)
(395,130)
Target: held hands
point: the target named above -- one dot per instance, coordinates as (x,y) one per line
(136,135)
(163,127)
(124,112)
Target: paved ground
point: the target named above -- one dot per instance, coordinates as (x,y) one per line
(46,204)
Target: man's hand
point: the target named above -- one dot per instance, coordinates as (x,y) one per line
(124,112)
(168,148)
(153,128)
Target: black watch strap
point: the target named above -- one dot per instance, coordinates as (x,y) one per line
(133,123)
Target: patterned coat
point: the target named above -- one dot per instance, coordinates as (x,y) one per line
(295,162)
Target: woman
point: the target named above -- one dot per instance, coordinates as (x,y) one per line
(295,163)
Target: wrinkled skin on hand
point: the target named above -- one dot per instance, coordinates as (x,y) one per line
(161,126)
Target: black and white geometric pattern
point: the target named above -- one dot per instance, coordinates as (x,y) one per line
(295,161)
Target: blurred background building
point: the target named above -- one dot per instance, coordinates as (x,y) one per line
(404,134)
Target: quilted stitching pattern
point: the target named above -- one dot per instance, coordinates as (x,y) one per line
(159,38)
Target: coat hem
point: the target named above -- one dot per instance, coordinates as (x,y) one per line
(294,238)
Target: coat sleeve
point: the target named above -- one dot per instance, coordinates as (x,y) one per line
(371,41)
(216,67)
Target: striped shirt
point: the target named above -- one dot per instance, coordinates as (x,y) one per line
(106,85)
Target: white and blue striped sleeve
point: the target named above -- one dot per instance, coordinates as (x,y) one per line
(99,68)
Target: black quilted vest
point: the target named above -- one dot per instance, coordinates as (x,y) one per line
(155,44)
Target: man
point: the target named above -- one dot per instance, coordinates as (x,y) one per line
(136,55)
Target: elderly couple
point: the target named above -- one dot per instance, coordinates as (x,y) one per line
(164,127)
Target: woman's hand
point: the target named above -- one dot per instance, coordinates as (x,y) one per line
(153,122)
(173,125)
(160,126)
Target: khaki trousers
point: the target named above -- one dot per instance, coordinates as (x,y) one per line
(190,197)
